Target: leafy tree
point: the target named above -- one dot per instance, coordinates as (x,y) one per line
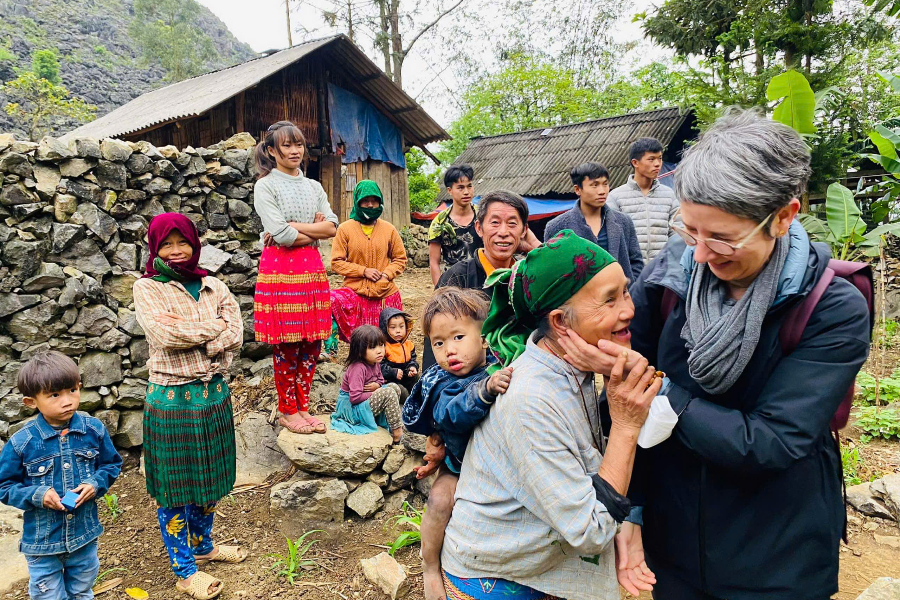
(526,94)
(40,104)
(422,187)
(167,33)
(45,65)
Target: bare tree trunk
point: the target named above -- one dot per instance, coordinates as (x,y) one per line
(383,39)
(287,11)
(397,53)
(350,20)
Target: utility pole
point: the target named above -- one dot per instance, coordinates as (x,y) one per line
(287,10)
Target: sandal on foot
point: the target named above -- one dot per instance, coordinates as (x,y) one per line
(296,426)
(317,425)
(199,586)
(226,554)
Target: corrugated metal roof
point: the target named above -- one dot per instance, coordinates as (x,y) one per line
(195,96)
(532,163)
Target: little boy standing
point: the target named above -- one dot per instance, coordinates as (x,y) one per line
(400,363)
(61,451)
(452,397)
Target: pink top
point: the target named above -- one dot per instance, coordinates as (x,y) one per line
(357,376)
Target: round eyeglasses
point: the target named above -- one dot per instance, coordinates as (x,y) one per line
(718,246)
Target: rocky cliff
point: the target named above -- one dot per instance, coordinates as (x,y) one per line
(99,62)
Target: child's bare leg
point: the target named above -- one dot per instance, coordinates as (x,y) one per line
(437,515)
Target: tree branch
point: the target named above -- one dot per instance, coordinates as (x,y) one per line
(429,26)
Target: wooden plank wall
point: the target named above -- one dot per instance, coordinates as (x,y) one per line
(393,182)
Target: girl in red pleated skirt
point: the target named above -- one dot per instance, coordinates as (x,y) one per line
(292,309)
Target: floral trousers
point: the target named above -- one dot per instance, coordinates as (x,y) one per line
(186,531)
(295,365)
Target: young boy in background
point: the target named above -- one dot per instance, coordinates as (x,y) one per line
(452,397)
(400,364)
(53,468)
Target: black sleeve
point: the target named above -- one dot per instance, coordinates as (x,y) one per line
(616,504)
(413,362)
(388,372)
(634,248)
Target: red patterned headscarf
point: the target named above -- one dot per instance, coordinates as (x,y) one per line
(160,227)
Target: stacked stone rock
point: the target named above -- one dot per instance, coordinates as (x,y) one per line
(73,220)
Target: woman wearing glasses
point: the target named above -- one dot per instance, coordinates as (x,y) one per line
(744,500)
(291,307)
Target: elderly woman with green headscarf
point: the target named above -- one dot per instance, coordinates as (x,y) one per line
(540,497)
(369,253)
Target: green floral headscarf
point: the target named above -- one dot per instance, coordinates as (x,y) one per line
(364,189)
(544,280)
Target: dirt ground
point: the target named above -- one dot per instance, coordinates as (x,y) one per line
(131,547)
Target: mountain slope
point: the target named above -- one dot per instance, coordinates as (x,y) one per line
(98,60)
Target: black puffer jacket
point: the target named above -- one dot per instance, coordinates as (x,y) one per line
(744,501)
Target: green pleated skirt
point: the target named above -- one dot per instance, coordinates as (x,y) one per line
(189,454)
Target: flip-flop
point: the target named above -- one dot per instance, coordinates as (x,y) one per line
(302,427)
(199,586)
(226,554)
(317,425)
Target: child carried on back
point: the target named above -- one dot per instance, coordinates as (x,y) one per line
(365,400)
(452,397)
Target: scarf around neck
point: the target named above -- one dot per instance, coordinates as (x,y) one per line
(160,227)
(722,341)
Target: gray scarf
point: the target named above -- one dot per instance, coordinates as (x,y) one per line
(721,342)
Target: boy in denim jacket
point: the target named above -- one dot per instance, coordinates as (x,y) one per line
(58,452)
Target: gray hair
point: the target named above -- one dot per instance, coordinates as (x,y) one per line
(745,164)
(568,314)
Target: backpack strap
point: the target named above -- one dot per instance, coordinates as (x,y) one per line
(667,304)
(795,322)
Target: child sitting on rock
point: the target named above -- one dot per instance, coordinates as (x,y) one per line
(452,397)
(365,400)
(400,364)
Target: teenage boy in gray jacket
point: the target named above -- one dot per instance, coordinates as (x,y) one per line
(651,205)
(592,219)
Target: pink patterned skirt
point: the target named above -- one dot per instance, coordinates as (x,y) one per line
(292,302)
(351,310)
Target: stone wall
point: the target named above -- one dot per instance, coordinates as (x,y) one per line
(73,223)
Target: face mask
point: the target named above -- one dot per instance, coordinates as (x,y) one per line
(370,214)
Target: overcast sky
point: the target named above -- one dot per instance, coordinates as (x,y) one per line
(261,24)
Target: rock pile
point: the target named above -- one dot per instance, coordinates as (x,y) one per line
(73,219)
(415,239)
(879,498)
(367,473)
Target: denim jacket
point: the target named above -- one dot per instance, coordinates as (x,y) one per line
(37,458)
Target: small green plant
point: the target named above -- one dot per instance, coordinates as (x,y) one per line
(106,573)
(886,333)
(851,462)
(888,388)
(112,505)
(878,422)
(291,564)
(410,517)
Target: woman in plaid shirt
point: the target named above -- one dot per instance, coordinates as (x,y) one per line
(193,325)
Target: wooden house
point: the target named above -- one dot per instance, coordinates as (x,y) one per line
(358,122)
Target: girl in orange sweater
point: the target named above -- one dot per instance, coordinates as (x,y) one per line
(369,253)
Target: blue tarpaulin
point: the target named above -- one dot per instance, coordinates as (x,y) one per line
(538,208)
(667,174)
(362,130)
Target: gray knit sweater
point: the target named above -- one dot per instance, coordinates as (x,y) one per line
(651,214)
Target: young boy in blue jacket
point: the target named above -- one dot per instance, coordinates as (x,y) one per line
(452,397)
(53,468)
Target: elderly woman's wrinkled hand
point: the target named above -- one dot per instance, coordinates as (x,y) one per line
(598,359)
(629,398)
